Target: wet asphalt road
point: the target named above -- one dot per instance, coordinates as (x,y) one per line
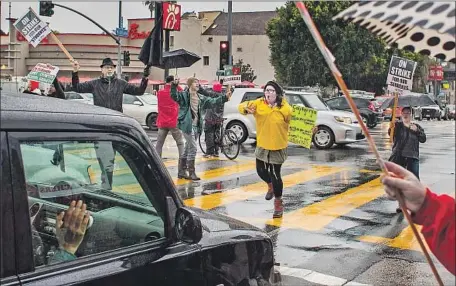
(338,229)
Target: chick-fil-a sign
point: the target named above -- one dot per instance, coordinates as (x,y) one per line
(171,16)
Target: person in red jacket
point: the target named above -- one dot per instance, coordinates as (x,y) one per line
(435,213)
(168,111)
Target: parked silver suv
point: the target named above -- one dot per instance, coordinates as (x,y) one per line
(334,127)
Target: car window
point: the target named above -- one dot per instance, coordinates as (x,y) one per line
(338,103)
(314,101)
(294,99)
(129,99)
(361,103)
(252,96)
(107,177)
(73,95)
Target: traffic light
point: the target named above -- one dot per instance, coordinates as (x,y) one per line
(224,53)
(46,8)
(126,55)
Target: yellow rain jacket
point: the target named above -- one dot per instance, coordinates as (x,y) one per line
(271,123)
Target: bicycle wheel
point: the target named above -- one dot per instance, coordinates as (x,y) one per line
(230,145)
(202,142)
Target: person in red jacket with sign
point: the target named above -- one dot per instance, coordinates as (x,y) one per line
(168,111)
(436,213)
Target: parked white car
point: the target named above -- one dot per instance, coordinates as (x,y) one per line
(79,97)
(143,108)
(334,127)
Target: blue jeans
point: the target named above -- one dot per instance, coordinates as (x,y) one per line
(413,165)
(190,148)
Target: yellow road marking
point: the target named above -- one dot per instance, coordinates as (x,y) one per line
(405,239)
(318,215)
(257,189)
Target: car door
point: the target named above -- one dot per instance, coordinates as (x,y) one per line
(133,107)
(129,239)
(7,254)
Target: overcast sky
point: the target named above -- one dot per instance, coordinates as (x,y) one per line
(106,13)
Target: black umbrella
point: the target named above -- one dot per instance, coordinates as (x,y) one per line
(179,59)
(409,100)
(152,49)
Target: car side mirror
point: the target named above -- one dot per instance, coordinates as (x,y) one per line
(139,103)
(188,226)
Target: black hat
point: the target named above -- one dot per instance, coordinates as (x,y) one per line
(107,62)
(276,86)
(169,78)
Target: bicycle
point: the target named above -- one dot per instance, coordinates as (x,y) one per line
(229,145)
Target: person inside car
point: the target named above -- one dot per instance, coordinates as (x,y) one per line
(71,227)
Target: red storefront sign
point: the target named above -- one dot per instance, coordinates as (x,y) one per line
(134,34)
(171,16)
(435,73)
(236,70)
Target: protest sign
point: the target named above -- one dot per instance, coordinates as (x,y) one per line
(44,73)
(232,79)
(400,73)
(32,28)
(302,121)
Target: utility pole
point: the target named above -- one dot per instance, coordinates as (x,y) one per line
(166,50)
(119,46)
(230,32)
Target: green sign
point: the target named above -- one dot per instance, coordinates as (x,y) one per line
(220,73)
(228,70)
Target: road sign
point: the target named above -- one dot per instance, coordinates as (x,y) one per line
(121,32)
(32,28)
(233,79)
(220,73)
(400,73)
(435,73)
(228,70)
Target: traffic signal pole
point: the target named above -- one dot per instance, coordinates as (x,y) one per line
(230,32)
(119,45)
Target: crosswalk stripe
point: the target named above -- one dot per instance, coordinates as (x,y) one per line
(404,240)
(220,172)
(318,215)
(257,189)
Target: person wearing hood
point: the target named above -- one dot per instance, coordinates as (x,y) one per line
(167,122)
(192,102)
(213,120)
(56,90)
(406,143)
(108,90)
(272,115)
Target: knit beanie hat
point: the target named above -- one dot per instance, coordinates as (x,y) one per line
(276,86)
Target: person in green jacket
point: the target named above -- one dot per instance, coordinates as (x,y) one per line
(192,102)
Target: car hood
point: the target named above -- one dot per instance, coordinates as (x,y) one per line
(431,107)
(337,113)
(218,228)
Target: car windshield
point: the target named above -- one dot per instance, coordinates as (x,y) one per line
(88,95)
(149,99)
(316,102)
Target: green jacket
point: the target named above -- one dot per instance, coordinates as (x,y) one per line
(184,120)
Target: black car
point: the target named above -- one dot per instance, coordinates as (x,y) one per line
(369,112)
(137,231)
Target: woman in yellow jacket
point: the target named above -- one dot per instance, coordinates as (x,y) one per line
(272,115)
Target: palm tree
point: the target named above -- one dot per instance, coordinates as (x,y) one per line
(151,6)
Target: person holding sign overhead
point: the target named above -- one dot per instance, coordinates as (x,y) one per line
(272,115)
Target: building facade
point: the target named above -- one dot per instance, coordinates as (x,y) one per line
(200,33)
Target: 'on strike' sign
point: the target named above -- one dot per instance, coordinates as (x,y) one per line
(32,28)
(400,73)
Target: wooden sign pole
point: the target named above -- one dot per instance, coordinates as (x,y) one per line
(393,116)
(65,51)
